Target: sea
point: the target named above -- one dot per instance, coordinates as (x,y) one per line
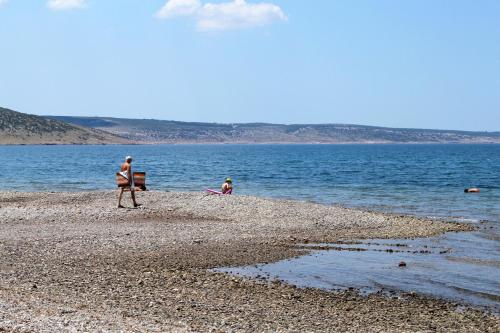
(424,180)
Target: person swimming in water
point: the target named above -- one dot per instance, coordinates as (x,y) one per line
(227,187)
(126,172)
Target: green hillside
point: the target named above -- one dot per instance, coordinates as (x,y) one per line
(163,131)
(21,128)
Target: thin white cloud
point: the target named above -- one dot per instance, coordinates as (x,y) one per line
(223,16)
(2,2)
(179,8)
(66,4)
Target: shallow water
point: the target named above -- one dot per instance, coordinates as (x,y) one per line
(426,180)
(463,267)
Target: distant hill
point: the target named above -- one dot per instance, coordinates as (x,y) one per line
(22,128)
(163,131)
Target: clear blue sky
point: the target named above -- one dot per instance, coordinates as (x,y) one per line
(415,63)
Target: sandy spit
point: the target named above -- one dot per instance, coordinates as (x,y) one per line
(73,262)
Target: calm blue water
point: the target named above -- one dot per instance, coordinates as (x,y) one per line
(417,179)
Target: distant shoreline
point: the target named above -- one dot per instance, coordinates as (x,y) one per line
(18,128)
(251,143)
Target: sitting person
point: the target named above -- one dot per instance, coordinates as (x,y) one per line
(227,187)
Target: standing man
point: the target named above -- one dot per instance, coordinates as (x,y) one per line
(126,172)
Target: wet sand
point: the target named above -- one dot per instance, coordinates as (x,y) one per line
(72,261)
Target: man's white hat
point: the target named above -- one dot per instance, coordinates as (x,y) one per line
(128,158)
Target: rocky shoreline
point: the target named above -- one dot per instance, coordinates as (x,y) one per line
(74,262)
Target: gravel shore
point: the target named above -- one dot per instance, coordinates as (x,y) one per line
(74,262)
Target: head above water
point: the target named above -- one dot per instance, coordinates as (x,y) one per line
(128,159)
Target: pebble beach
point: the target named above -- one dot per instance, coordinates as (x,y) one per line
(74,262)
